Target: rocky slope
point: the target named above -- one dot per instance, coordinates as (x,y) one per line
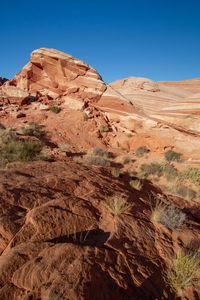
(58,239)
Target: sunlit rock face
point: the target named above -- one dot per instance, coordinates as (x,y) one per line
(175,102)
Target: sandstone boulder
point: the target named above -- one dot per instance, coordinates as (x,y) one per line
(54,73)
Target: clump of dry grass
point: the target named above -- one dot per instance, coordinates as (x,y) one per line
(117,205)
(116,172)
(123,160)
(157,211)
(76,234)
(184,271)
(136,184)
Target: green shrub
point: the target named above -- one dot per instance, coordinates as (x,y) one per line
(117,205)
(153,168)
(33,129)
(103,128)
(136,184)
(171,155)
(55,109)
(192,174)
(20,151)
(140,151)
(129,135)
(184,271)
(100,152)
(96,160)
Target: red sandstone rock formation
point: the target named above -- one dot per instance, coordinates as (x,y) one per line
(48,208)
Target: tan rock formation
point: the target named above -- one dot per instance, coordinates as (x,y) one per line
(54,73)
(14,94)
(176,103)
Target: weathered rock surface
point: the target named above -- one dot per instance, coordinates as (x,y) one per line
(58,240)
(54,73)
(14,95)
(137,106)
(176,103)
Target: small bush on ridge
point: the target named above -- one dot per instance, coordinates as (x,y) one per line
(7,135)
(20,151)
(185,192)
(96,160)
(140,151)
(100,152)
(153,168)
(123,160)
(34,129)
(171,155)
(103,128)
(116,172)
(55,109)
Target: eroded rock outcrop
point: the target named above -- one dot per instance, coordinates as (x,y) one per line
(176,103)
(2,80)
(59,241)
(53,73)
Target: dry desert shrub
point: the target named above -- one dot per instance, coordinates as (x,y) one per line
(168,215)
(55,109)
(97,161)
(7,135)
(116,172)
(171,155)
(103,128)
(117,205)
(153,168)
(100,152)
(140,151)
(34,129)
(185,192)
(123,160)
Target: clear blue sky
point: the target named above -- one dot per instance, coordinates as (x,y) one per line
(154,39)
